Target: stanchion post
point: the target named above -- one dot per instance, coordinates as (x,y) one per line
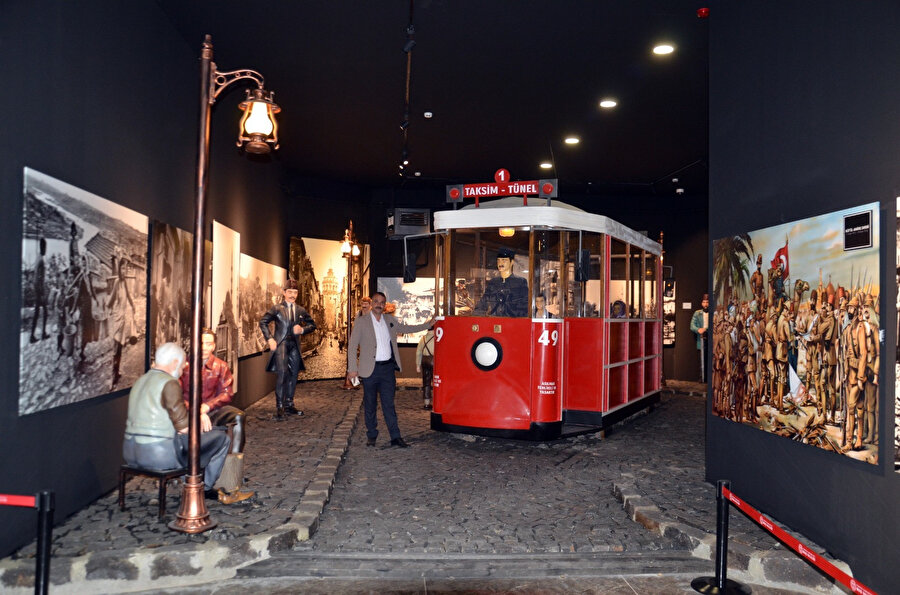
(46,505)
(719,584)
(721,534)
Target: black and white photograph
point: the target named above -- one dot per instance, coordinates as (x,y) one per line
(275,278)
(84,295)
(171,274)
(322,272)
(252,288)
(669,313)
(414,302)
(226,263)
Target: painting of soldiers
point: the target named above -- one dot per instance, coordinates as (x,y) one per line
(84,297)
(796,342)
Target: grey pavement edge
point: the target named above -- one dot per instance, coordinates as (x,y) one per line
(249,555)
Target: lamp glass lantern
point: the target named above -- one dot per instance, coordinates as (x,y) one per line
(258,128)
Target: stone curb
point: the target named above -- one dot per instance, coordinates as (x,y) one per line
(191,564)
(776,568)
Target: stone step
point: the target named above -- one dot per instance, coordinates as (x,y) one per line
(405,566)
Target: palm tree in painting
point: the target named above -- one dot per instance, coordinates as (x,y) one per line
(731,267)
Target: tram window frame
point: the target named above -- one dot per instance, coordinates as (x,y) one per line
(480,266)
(547,251)
(651,301)
(617,298)
(635,284)
(585,299)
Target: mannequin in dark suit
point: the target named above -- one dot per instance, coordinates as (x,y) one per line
(291,321)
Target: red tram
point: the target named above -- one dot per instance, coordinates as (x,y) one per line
(581,349)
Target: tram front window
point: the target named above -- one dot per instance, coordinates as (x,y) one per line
(490,273)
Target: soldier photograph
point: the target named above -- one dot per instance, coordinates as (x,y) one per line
(796,349)
(84,267)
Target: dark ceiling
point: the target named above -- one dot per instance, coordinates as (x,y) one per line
(505,80)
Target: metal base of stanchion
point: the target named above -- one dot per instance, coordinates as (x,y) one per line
(709,584)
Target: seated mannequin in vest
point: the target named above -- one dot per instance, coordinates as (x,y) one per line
(217,391)
(156,431)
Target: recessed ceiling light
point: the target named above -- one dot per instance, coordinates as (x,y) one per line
(572,140)
(608,103)
(546,165)
(428,115)
(663,49)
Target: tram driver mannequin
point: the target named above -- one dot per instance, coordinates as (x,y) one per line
(506,294)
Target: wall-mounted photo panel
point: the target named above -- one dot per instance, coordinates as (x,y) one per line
(171,274)
(322,272)
(897,361)
(226,265)
(84,295)
(414,302)
(253,303)
(795,331)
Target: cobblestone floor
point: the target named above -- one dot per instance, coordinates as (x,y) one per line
(280,459)
(448,493)
(469,494)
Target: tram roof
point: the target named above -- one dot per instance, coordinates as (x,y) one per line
(509,212)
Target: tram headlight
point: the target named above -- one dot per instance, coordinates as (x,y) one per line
(487,353)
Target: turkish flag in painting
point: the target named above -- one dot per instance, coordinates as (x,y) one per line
(782,256)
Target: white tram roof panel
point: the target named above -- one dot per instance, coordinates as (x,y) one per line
(509,212)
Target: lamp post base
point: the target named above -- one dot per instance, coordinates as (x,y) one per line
(192,516)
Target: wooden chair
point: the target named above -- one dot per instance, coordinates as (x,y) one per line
(163,477)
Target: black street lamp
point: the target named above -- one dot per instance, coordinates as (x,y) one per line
(349,250)
(258,135)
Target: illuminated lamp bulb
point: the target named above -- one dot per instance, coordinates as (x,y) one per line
(506,232)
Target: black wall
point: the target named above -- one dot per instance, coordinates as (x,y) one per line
(803,121)
(103,95)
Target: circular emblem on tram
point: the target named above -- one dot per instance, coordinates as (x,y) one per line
(487,354)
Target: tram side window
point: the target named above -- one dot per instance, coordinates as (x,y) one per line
(490,273)
(584,299)
(635,282)
(618,279)
(548,302)
(651,299)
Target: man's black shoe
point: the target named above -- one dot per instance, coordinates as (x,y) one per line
(292,411)
(211,494)
(370,442)
(279,414)
(399,442)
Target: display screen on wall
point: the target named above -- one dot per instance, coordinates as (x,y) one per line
(796,330)
(414,302)
(84,295)
(325,287)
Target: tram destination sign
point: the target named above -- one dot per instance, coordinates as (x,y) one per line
(540,188)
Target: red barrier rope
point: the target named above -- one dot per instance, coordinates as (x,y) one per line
(809,555)
(11,500)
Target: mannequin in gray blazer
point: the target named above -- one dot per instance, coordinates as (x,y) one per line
(377,364)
